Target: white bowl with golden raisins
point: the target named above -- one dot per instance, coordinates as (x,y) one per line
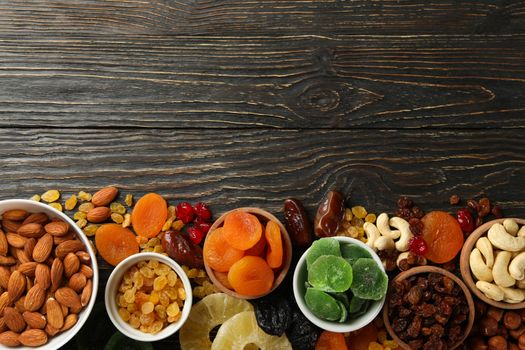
(148,297)
(48,276)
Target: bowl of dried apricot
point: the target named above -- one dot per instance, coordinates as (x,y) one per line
(247,253)
(340,284)
(48,272)
(148,296)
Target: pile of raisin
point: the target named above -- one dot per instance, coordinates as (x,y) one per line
(411,213)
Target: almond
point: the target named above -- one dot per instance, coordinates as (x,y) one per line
(86,293)
(57,228)
(67,247)
(65,310)
(83,256)
(28,268)
(32,230)
(59,239)
(16,285)
(19,304)
(38,218)
(43,276)
(86,270)
(22,256)
(69,322)
(43,248)
(14,320)
(105,196)
(68,297)
(4,302)
(71,264)
(30,246)
(98,214)
(9,338)
(4,246)
(35,298)
(50,330)
(10,226)
(15,240)
(77,282)
(57,272)
(3,326)
(33,337)
(54,314)
(15,215)
(7,260)
(34,319)
(4,276)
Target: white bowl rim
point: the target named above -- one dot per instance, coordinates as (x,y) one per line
(111,292)
(357,323)
(57,341)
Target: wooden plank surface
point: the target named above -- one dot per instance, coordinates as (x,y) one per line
(301,81)
(237,17)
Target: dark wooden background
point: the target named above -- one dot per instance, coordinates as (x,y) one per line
(249,102)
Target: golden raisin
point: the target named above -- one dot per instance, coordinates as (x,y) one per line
(50,196)
(56,205)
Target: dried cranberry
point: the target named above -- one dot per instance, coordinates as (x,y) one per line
(417,245)
(185,212)
(465,220)
(202,211)
(202,225)
(195,234)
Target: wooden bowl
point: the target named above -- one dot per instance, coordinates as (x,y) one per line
(465,265)
(264,217)
(427,269)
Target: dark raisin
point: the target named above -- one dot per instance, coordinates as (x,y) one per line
(417,212)
(411,258)
(404,202)
(404,265)
(416,344)
(427,310)
(479,221)
(454,199)
(399,324)
(416,226)
(414,295)
(441,318)
(422,283)
(437,330)
(497,212)
(449,266)
(473,204)
(484,207)
(415,327)
(302,334)
(427,295)
(404,312)
(273,314)
(403,213)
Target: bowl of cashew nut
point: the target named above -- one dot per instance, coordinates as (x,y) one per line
(493,263)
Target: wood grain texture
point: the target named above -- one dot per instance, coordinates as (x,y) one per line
(261,17)
(315,82)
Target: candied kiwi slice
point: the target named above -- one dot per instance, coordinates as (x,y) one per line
(322,304)
(362,310)
(330,273)
(351,252)
(344,311)
(356,303)
(323,246)
(370,282)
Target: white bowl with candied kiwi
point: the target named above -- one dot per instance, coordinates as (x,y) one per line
(53,255)
(148,297)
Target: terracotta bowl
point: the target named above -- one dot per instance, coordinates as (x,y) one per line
(264,217)
(424,270)
(465,265)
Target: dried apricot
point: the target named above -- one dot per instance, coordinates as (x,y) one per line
(223,278)
(331,341)
(149,215)
(242,230)
(259,248)
(274,254)
(360,339)
(251,276)
(443,236)
(218,254)
(115,243)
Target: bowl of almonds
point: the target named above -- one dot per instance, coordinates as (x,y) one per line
(48,275)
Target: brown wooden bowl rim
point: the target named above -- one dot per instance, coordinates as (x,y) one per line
(464,265)
(287,244)
(428,269)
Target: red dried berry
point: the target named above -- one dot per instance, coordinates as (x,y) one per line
(465,220)
(417,245)
(195,234)
(202,225)
(202,211)
(185,212)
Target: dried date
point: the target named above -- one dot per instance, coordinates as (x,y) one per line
(297,223)
(181,249)
(329,214)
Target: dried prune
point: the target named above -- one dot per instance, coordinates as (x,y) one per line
(273,314)
(181,249)
(302,334)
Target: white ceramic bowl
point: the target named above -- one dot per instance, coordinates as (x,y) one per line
(300,276)
(112,288)
(60,339)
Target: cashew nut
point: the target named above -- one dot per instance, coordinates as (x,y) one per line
(521,232)
(384,243)
(520,284)
(403,226)
(500,270)
(372,233)
(513,295)
(499,237)
(485,248)
(511,226)
(478,267)
(384,227)
(490,290)
(517,267)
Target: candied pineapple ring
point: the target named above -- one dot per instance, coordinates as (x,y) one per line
(205,315)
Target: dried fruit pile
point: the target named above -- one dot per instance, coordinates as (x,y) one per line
(45,278)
